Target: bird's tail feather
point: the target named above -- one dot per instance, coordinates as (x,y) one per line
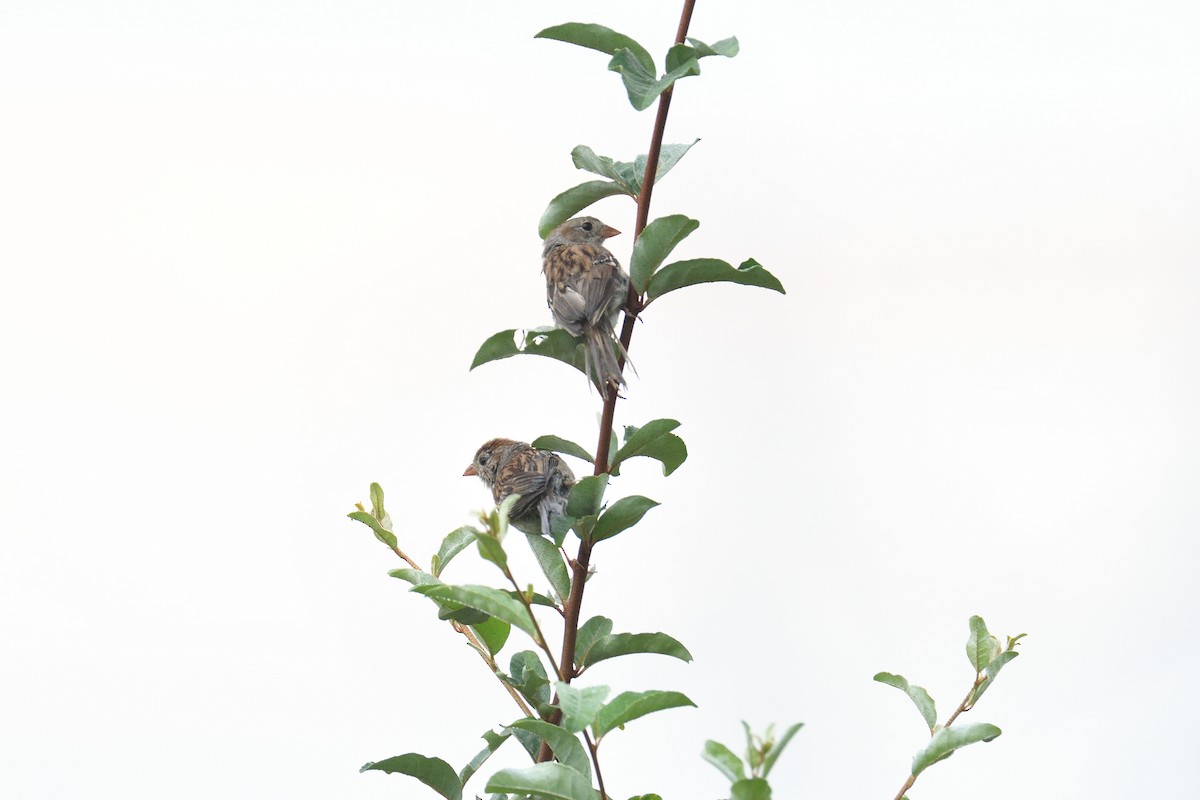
(600,362)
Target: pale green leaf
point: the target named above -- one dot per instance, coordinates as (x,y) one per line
(548,781)
(947,740)
(628,706)
(710,270)
(920,697)
(433,772)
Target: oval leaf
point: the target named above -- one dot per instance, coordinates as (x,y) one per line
(723,759)
(560,445)
(710,270)
(947,740)
(596,37)
(579,706)
(528,676)
(656,243)
(586,496)
(493,633)
(381,533)
(455,542)
(589,633)
(548,342)
(566,205)
(492,602)
(750,789)
(624,644)
(919,696)
(433,772)
(622,172)
(550,560)
(654,440)
(549,780)
(566,747)
(982,646)
(628,706)
(620,516)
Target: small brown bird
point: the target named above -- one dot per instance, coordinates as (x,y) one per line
(586,290)
(539,476)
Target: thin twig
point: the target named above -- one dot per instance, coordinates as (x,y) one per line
(965,705)
(476,645)
(592,747)
(541,637)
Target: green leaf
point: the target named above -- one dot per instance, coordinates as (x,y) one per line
(622,172)
(493,633)
(725,47)
(535,598)
(982,647)
(992,670)
(548,342)
(777,748)
(492,602)
(624,644)
(628,706)
(919,696)
(586,496)
(447,610)
(589,633)
(621,515)
(654,440)
(566,747)
(723,759)
(566,205)
(710,270)
(597,37)
(579,706)
(550,560)
(641,85)
(668,156)
(528,676)
(382,534)
(494,740)
(377,509)
(750,789)
(455,542)
(683,58)
(550,780)
(490,548)
(656,243)
(433,772)
(561,445)
(947,740)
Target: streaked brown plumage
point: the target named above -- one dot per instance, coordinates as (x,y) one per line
(539,476)
(586,290)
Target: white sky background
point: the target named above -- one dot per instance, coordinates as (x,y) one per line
(250,248)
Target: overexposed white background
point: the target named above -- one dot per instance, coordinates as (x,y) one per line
(249,249)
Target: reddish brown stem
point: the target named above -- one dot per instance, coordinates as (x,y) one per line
(635,303)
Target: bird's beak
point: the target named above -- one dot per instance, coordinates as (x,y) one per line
(470,471)
(608,231)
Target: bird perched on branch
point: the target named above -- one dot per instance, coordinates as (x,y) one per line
(586,290)
(539,476)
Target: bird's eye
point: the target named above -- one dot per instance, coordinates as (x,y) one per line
(587,226)
(483,458)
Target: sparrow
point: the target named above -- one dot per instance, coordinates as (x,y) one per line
(539,476)
(586,290)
